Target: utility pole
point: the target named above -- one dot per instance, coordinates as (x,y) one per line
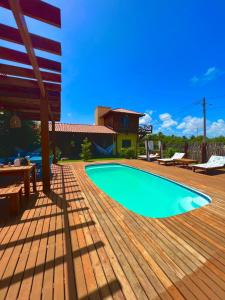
(204,120)
(204,154)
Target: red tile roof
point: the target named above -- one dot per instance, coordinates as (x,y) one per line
(126,111)
(81,128)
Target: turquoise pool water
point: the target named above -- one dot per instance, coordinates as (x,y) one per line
(145,193)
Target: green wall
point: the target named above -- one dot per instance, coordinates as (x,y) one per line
(126,136)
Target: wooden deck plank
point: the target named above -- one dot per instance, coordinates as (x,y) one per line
(158,271)
(96,264)
(11,254)
(129,272)
(127,255)
(206,287)
(59,275)
(193,261)
(48,280)
(127,290)
(39,268)
(26,260)
(207,250)
(21,264)
(78,243)
(113,290)
(29,272)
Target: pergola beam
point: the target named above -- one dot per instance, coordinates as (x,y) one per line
(22,58)
(35,117)
(34,106)
(11,34)
(28,83)
(22,92)
(38,10)
(29,102)
(22,27)
(28,73)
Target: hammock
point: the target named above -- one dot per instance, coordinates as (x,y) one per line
(105,151)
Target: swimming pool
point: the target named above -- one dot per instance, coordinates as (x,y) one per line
(145,193)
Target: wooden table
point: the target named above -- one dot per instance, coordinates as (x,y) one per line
(184,161)
(25,171)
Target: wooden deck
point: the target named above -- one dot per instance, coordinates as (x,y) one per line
(77,243)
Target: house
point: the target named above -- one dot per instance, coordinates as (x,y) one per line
(114,130)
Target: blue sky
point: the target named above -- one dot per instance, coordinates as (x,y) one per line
(159,57)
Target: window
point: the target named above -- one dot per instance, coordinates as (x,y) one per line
(126,143)
(125,121)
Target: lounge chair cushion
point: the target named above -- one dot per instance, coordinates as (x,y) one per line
(214,162)
(177,155)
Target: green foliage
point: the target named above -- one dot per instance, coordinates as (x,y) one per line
(218,139)
(128,153)
(26,138)
(141,150)
(169,152)
(58,153)
(86,150)
(178,142)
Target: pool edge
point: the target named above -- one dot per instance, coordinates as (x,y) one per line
(205,196)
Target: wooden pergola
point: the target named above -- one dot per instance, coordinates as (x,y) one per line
(33,92)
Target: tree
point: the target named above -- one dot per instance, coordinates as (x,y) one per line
(86,150)
(26,138)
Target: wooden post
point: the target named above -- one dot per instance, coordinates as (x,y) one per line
(137,142)
(45,145)
(204,152)
(160,149)
(44,105)
(186,149)
(54,143)
(146,149)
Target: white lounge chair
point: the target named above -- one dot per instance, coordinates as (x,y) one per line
(215,162)
(151,156)
(154,156)
(167,161)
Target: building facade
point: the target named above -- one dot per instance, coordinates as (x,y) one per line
(124,122)
(114,130)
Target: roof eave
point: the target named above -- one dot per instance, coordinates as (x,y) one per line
(128,113)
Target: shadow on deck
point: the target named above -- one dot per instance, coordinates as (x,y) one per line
(53,249)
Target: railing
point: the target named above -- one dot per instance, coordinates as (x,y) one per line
(194,150)
(215,149)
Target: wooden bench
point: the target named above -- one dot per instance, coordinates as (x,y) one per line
(14,194)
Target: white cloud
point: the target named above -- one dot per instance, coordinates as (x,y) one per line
(147,118)
(167,121)
(190,125)
(216,128)
(211,74)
